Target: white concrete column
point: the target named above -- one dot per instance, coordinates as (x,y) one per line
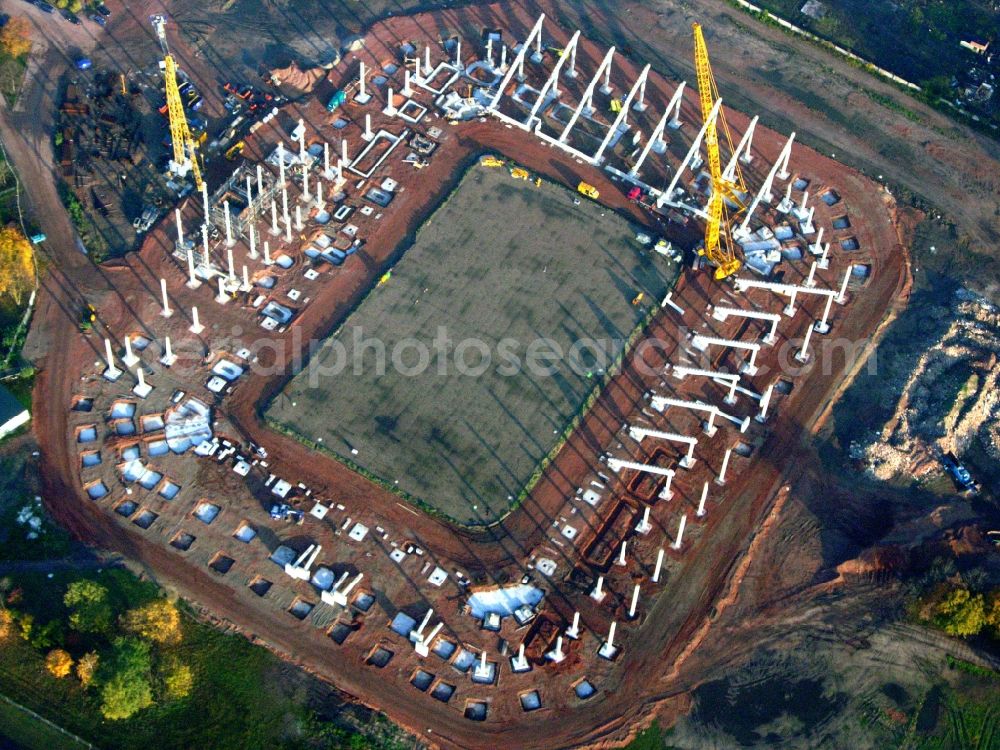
(635,602)
(267,254)
(802,355)
(406,90)
(298,218)
(253,242)
(842,296)
(659,566)
(168,358)
(229,226)
(765,401)
(192,282)
(305,183)
(180,228)
(390,108)
(721,479)
(232,266)
(680,532)
(196,326)
(598,593)
(644,525)
(621,554)
(281,164)
(608,649)
(811,278)
(701,503)
(573,631)
(274,219)
(166,312)
(823,326)
(222,298)
(260,182)
(368,134)
(111,372)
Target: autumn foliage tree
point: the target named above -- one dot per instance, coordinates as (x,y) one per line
(15,37)
(6,624)
(86,668)
(159,621)
(59,663)
(17,265)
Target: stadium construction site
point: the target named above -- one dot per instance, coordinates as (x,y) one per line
(607,517)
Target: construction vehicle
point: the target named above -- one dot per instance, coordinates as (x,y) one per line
(616,105)
(492,161)
(959,474)
(235,150)
(718,241)
(589,190)
(638,298)
(519,174)
(185,152)
(88,316)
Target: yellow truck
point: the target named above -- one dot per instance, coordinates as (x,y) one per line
(519,174)
(589,190)
(492,161)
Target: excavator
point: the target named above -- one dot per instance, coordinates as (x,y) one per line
(719,247)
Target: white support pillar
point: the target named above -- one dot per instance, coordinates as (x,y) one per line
(598,593)
(644,526)
(252,231)
(586,105)
(166,312)
(784,158)
(326,161)
(556,655)
(764,194)
(842,296)
(406,91)
(362,96)
(130,359)
(668,195)
(639,82)
(142,388)
(680,533)
(622,561)
(482,669)
(368,134)
(305,183)
(765,401)
(817,247)
(786,204)
(573,631)
(298,219)
(232,265)
(552,83)
(823,325)
(824,259)
(390,107)
(658,568)
(639,433)
(245,287)
(640,104)
(721,479)
(168,358)
(229,225)
(518,65)
(742,152)
(458,53)
(204,202)
(701,503)
(571,73)
(274,219)
(811,278)
(635,602)
(281,164)
(267,254)
(520,663)
(196,326)
(320,205)
(111,372)
(343,151)
(802,355)
(222,298)
(608,650)
(654,137)
(180,228)
(260,182)
(192,282)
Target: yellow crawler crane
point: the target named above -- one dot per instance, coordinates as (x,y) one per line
(718,242)
(180,133)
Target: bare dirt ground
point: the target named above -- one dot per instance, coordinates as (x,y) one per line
(776,572)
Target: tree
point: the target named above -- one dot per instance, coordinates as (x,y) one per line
(75,6)
(128,689)
(15,37)
(59,663)
(158,621)
(17,266)
(961,613)
(86,668)
(6,624)
(89,609)
(124,695)
(993,613)
(178,679)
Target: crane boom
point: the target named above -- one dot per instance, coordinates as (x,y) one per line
(180,133)
(718,243)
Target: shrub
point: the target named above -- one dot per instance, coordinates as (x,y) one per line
(59,663)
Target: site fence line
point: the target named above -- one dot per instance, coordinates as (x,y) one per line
(47,722)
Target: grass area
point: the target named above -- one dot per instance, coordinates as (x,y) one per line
(456,379)
(241,697)
(12,70)
(24,730)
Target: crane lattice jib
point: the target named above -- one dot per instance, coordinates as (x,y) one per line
(180,133)
(718,252)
